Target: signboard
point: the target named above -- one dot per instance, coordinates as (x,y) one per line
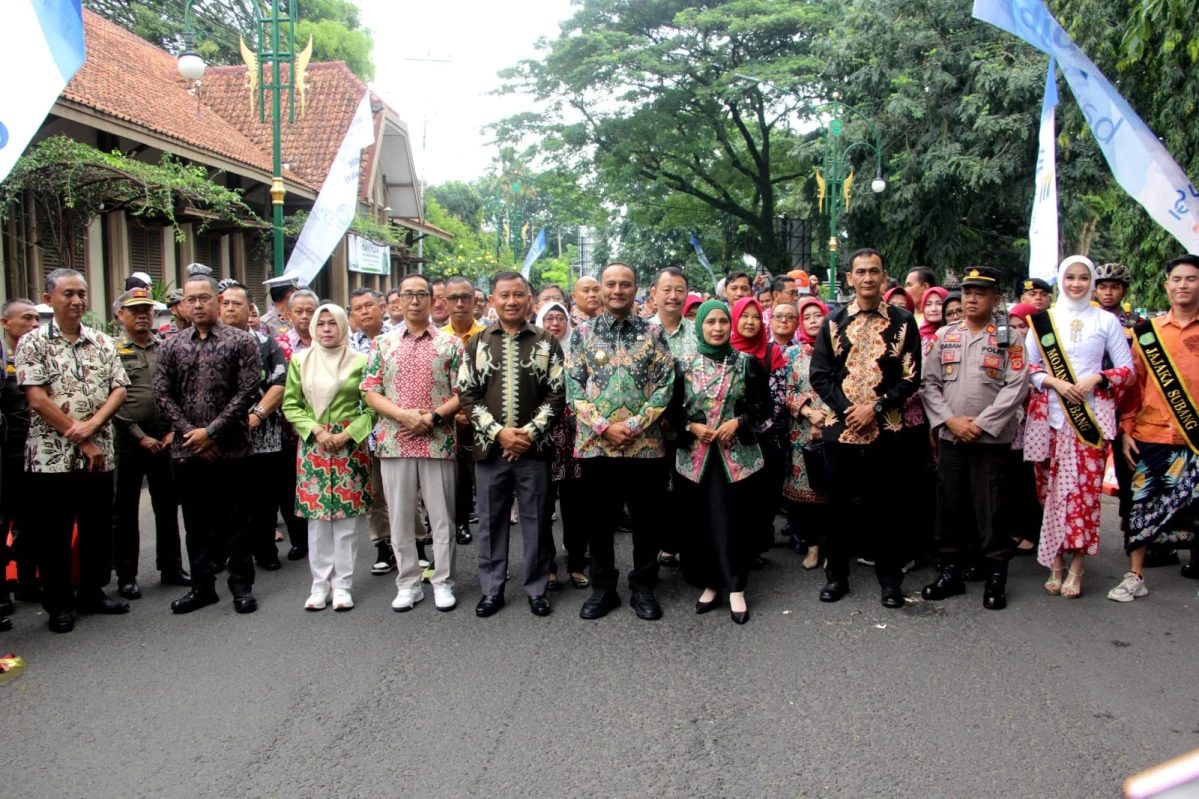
(366,257)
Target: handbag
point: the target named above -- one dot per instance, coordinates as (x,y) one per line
(814,466)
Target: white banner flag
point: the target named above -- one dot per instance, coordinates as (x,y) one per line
(1043,230)
(337,202)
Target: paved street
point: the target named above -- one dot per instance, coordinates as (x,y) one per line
(1050,698)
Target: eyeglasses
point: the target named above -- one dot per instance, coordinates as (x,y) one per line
(457,298)
(786,317)
(199,299)
(419,296)
(956,313)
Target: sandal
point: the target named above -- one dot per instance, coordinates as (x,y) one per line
(554,584)
(812,560)
(1072,587)
(579,580)
(1053,586)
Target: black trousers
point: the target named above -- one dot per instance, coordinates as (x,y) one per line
(862,480)
(63,501)
(215,513)
(14,509)
(1123,480)
(973,511)
(570,498)
(672,535)
(134,465)
(765,490)
(610,484)
(809,520)
(278,471)
(464,499)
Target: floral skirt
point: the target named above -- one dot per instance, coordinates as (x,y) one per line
(1165,498)
(1069,485)
(333,485)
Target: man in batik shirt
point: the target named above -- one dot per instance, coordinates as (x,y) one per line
(865,365)
(620,376)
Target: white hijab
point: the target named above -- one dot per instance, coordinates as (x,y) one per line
(1065,301)
(324,370)
(545,309)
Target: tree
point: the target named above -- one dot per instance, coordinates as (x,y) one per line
(335,27)
(459,199)
(645,95)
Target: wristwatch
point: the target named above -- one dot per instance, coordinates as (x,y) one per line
(260,411)
(437,420)
(878,407)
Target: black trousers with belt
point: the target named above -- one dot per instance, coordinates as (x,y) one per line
(135,465)
(216,514)
(64,500)
(864,481)
(973,510)
(610,484)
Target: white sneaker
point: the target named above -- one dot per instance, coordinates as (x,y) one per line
(1129,588)
(317,601)
(443,598)
(406,598)
(342,599)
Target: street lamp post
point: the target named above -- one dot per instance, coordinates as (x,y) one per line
(836,182)
(264,78)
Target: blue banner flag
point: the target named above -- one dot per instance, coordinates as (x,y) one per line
(41,47)
(1043,229)
(703,259)
(534,253)
(1138,160)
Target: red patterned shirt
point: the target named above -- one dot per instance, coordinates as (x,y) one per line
(416,373)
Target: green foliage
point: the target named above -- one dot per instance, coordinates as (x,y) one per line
(461,200)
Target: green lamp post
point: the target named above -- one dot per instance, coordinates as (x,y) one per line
(835,182)
(276,46)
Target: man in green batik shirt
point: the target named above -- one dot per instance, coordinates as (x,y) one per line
(669,291)
(620,377)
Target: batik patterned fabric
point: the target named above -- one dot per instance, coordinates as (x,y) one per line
(416,373)
(1069,486)
(1165,498)
(291,343)
(333,485)
(564,465)
(267,437)
(797,488)
(619,371)
(682,341)
(512,381)
(78,378)
(712,391)
(862,357)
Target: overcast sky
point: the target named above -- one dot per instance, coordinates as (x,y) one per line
(471,41)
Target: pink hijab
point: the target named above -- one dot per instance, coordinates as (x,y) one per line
(928,330)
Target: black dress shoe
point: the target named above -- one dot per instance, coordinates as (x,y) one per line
(948,583)
(100,602)
(892,597)
(1191,570)
(129,589)
(297,553)
(540,605)
(269,564)
(61,622)
(706,607)
(194,600)
(463,535)
(599,604)
(974,573)
(243,599)
(5,624)
(739,616)
(995,592)
(489,605)
(5,604)
(645,606)
(833,590)
(176,577)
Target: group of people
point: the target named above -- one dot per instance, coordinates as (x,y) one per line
(410,416)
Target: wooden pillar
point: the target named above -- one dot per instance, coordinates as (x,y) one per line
(339,274)
(225,270)
(170,269)
(237,257)
(187,249)
(97,275)
(117,258)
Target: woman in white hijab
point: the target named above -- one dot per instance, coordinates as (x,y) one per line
(1069,454)
(324,404)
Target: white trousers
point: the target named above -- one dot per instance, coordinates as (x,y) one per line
(332,547)
(406,481)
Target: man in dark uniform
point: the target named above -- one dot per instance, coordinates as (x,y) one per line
(143,440)
(19,316)
(972,390)
(275,321)
(1035,292)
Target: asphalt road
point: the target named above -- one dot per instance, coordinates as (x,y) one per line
(1051,697)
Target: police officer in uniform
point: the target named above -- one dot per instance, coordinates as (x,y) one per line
(972,389)
(143,437)
(275,322)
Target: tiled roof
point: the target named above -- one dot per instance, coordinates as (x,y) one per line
(130,79)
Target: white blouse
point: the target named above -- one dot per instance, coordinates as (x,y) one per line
(1101,332)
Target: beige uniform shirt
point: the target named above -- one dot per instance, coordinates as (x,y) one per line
(969,374)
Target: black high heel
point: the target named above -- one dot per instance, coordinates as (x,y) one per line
(707,607)
(740,617)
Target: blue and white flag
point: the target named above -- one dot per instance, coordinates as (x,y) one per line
(1042,230)
(41,47)
(1138,160)
(703,259)
(535,252)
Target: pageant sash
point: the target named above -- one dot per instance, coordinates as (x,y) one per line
(1079,413)
(1164,375)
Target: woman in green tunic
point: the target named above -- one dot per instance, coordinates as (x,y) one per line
(333,481)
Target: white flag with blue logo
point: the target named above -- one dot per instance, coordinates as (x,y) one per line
(41,47)
(534,253)
(1138,160)
(1043,230)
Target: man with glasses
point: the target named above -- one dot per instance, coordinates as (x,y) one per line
(143,440)
(301,307)
(783,291)
(410,380)
(207,380)
(460,296)
(439,309)
(75,383)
